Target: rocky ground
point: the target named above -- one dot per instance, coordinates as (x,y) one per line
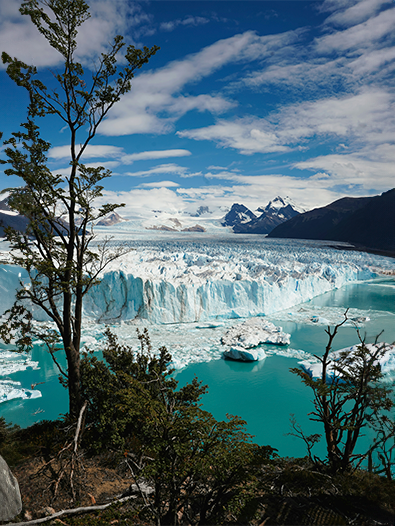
(287,493)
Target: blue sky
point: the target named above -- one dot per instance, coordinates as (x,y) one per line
(243,102)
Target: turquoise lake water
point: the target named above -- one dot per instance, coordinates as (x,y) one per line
(263,393)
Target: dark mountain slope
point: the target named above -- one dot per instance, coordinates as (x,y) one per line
(17,222)
(238,214)
(365,221)
(243,221)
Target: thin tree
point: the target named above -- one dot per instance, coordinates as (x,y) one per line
(349,397)
(56,247)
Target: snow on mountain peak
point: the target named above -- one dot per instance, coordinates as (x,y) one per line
(278,203)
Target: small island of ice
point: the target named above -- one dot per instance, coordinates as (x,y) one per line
(254,332)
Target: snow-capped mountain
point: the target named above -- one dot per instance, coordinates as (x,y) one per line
(111,219)
(268,217)
(282,206)
(10,218)
(238,215)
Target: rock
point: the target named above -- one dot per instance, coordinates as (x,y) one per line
(243,355)
(254,332)
(10,497)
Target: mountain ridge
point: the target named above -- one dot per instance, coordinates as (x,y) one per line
(243,221)
(367,222)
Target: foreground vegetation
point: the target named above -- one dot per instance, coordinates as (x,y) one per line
(272,489)
(147,445)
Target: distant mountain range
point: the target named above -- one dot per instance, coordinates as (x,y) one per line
(367,222)
(243,221)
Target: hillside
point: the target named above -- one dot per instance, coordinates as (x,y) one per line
(367,222)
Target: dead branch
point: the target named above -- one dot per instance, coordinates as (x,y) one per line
(73,511)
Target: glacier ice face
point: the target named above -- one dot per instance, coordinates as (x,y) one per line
(182,282)
(254,332)
(11,278)
(188,282)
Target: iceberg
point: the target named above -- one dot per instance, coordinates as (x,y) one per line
(254,332)
(10,390)
(243,355)
(13,362)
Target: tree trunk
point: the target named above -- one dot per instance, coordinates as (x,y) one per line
(74,380)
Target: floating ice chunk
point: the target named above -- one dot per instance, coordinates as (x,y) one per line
(243,355)
(13,362)
(254,332)
(387,360)
(10,390)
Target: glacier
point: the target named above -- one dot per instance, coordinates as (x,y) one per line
(204,285)
(180,282)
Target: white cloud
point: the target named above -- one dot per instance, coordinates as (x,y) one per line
(366,117)
(139,201)
(109,151)
(154,154)
(361,36)
(308,75)
(160,169)
(355,169)
(247,135)
(186,21)
(155,102)
(99,150)
(159,184)
(380,61)
(357,13)
(364,48)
